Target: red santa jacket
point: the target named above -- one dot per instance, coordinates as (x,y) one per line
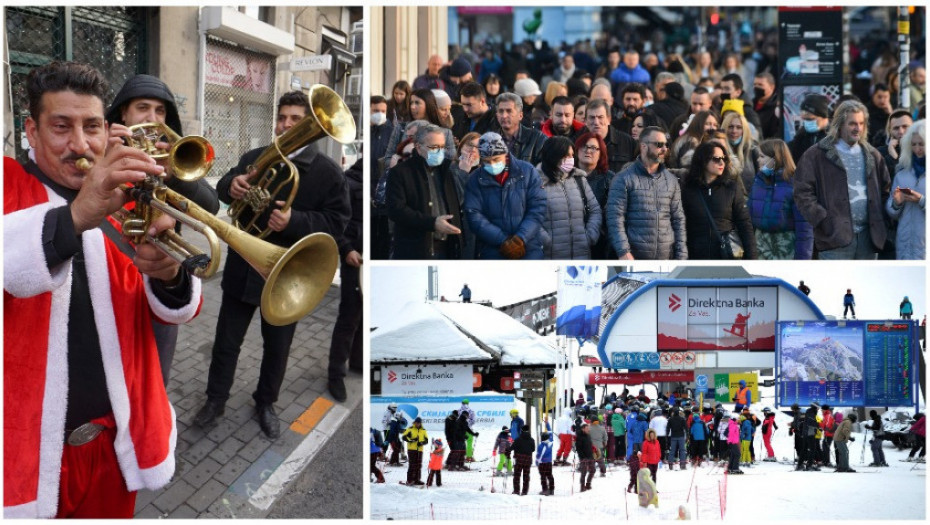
(35,387)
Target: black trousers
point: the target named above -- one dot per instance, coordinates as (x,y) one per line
(166,339)
(414,466)
(521,468)
(231,326)
(545,476)
(347,333)
(434,473)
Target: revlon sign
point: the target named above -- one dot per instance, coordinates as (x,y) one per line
(712,318)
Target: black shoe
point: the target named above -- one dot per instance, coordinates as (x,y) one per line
(268,420)
(337,389)
(206,416)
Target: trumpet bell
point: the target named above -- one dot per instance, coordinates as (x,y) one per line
(191,158)
(299,279)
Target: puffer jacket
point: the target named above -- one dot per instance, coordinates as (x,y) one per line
(527,145)
(728,208)
(565,235)
(822,195)
(645,215)
(911,241)
(496,212)
(772,209)
(598,436)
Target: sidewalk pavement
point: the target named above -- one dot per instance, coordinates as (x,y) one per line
(234,471)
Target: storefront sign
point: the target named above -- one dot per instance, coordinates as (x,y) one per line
(427,380)
(635,378)
(227,67)
(490,411)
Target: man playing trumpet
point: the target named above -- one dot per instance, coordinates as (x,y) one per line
(87,421)
(321,205)
(146,99)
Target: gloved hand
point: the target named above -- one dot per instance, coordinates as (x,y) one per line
(513,248)
(476,434)
(852,438)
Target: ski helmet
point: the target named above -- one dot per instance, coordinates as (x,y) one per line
(505,428)
(514,412)
(465,401)
(392,406)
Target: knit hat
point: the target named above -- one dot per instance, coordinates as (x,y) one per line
(442,98)
(675,91)
(418,420)
(491,144)
(733,104)
(526,87)
(505,429)
(816,105)
(459,68)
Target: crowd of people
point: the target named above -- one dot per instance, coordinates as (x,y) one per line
(669,157)
(636,432)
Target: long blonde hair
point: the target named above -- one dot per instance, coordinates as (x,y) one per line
(744,150)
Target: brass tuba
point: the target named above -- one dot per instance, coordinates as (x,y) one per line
(329,117)
(296,278)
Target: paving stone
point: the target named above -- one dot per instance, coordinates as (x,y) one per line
(207,494)
(199,450)
(149,512)
(202,472)
(226,450)
(175,496)
(231,470)
(183,512)
(254,448)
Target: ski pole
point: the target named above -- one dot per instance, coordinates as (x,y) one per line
(864,439)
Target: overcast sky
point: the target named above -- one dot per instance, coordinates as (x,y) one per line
(878,288)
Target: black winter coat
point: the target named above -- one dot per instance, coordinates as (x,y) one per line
(583,445)
(677,426)
(727,205)
(408,203)
(524,444)
(527,145)
(321,205)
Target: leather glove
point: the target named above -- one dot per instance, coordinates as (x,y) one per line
(513,248)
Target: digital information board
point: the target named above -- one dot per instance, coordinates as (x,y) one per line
(846,363)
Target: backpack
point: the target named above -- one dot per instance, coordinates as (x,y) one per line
(379,199)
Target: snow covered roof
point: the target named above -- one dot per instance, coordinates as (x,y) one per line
(440,331)
(419,332)
(517,344)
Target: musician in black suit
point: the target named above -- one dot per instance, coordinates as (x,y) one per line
(321,205)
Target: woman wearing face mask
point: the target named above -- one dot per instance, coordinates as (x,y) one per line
(573,217)
(744,150)
(424,203)
(781,231)
(710,191)
(398,109)
(907,202)
(423,106)
(504,203)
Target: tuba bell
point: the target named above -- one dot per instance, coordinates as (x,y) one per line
(329,117)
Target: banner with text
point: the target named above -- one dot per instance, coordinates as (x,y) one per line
(437,380)
(490,411)
(721,318)
(579,301)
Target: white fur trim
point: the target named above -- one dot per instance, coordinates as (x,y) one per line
(25,270)
(99,283)
(171,315)
(24,511)
(54,402)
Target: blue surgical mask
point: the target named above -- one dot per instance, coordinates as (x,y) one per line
(495,168)
(810,126)
(736,142)
(435,158)
(767,170)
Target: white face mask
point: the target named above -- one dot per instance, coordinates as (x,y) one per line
(378,118)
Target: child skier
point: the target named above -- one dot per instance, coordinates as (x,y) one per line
(633,461)
(435,464)
(502,449)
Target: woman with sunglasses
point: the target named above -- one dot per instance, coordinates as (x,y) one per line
(573,218)
(781,231)
(710,190)
(591,158)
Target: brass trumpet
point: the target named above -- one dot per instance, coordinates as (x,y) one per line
(329,117)
(297,278)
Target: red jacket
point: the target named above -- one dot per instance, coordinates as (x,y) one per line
(652,452)
(828,424)
(35,313)
(435,458)
(547,127)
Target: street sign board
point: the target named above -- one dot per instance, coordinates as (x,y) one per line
(312,63)
(634,360)
(701,381)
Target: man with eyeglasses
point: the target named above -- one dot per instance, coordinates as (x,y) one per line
(476,116)
(645,218)
(423,201)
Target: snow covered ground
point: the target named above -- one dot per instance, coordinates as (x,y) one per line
(768,491)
